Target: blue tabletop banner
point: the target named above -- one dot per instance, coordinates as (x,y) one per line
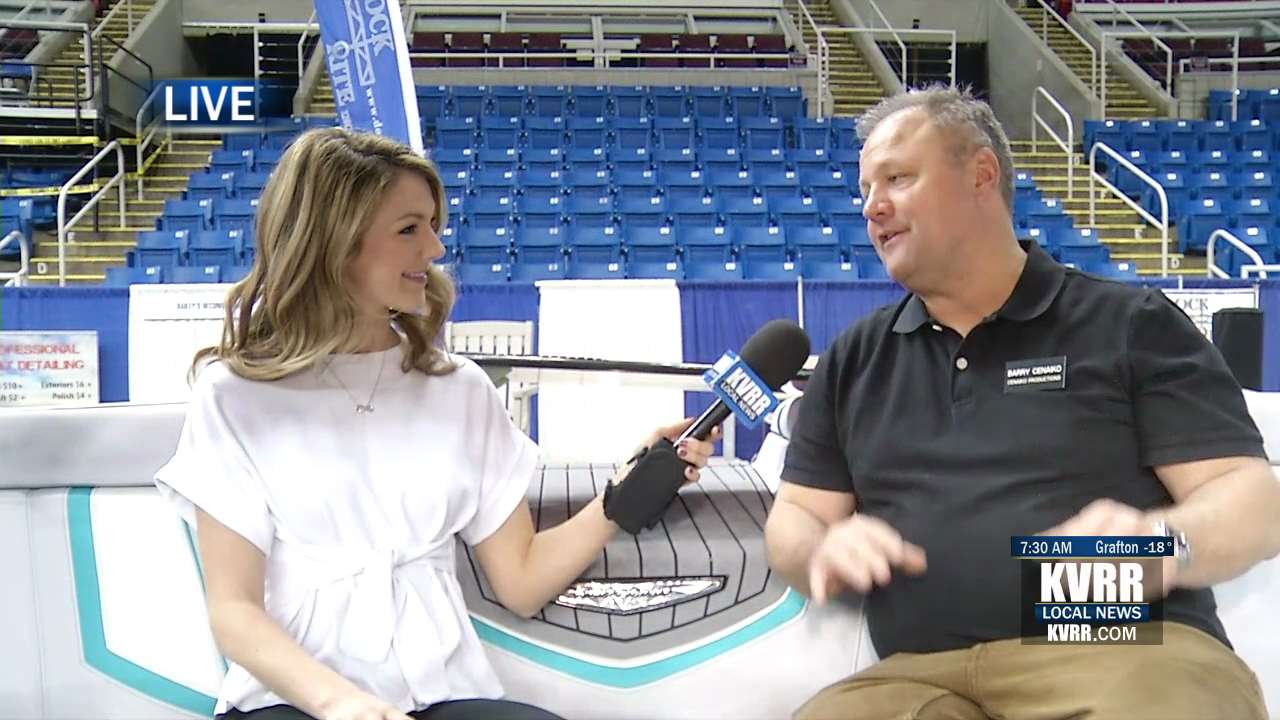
(368,62)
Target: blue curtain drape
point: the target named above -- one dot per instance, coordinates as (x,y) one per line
(105,310)
(830,306)
(716,317)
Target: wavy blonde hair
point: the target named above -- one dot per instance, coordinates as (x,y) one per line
(295,306)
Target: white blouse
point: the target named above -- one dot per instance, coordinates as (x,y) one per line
(357,513)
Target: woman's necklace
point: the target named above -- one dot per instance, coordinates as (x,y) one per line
(367,406)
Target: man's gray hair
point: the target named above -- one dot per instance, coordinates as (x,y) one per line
(968,120)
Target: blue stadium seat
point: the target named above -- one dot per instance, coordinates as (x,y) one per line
(632,132)
(545,133)
(791,211)
(482,273)
(540,244)
(669,102)
(126,276)
(720,160)
(490,212)
(231,161)
(549,101)
(700,244)
(533,272)
(708,102)
(210,186)
(542,159)
(694,211)
(779,270)
(235,215)
(484,245)
(600,245)
(714,271)
(655,270)
(1202,218)
(588,270)
(588,210)
(587,132)
(650,244)
(1146,137)
(266,159)
(841,211)
(242,141)
(628,102)
(828,270)
(869,265)
(196,274)
(468,102)
(190,215)
(509,101)
(786,102)
(223,248)
(1217,135)
(455,133)
(642,210)
(809,159)
(589,101)
(765,159)
(762,244)
(813,134)
(248,186)
(1180,136)
(747,102)
(815,243)
(159,248)
(719,132)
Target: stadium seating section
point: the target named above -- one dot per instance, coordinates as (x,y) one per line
(1216,173)
(704,183)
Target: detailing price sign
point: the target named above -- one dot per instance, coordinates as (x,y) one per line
(48,368)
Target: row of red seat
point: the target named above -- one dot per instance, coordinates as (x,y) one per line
(469,49)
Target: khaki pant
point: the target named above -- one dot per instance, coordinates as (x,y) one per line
(1190,676)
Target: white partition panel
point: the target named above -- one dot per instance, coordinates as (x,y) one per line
(167,325)
(600,418)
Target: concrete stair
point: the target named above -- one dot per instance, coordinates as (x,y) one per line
(1129,237)
(57,88)
(854,87)
(98,240)
(1123,101)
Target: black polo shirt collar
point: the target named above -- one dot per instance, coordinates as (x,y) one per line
(1037,286)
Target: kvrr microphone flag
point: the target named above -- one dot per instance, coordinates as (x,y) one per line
(368,61)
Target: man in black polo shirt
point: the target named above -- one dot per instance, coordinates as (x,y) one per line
(920,449)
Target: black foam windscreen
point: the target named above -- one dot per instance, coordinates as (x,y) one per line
(1237,332)
(776,352)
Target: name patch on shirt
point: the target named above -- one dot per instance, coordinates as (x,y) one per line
(1037,374)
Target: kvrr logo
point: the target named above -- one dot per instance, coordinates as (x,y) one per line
(1082,582)
(210,102)
(1084,602)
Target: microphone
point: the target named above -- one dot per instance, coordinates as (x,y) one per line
(776,352)
(773,355)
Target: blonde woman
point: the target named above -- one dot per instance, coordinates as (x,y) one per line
(332,452)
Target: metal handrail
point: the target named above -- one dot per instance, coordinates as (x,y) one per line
(1102,60)
(1261,269)
(823,60)
(1168,51)
(64,224)
(127,6)
(18,277)
(619,54)
(1093,53)
(902,47)
(145,136)
(302,41)
(829,29)
(1223,234)
(1068,146)
(1162,224)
